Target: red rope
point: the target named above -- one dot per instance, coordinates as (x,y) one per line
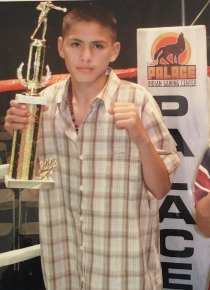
(14,85)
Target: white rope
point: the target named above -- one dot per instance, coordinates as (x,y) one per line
(16,256)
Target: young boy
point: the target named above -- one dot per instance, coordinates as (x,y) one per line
(99,225)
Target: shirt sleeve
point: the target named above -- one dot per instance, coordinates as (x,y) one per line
(160,136)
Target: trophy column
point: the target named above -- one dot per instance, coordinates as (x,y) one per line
(23,172)
(24,149)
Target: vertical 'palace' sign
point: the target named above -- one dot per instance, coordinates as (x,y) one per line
(172,64)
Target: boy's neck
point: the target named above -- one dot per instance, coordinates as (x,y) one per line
(84,94)
(80,99)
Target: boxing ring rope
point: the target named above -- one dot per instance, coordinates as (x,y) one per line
(20,255)
(14,84)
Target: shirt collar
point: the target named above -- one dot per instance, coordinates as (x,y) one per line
(106,94)
(62,95)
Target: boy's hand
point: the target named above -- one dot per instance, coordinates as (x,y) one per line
(127,117)
(155,173)
(17,117)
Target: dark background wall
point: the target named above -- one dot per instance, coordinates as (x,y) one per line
(18,20)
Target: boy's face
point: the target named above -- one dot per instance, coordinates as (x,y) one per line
(87,49)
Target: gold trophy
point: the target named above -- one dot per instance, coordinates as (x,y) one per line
(23,164)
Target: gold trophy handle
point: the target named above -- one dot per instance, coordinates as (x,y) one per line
(24,82)
(20,76)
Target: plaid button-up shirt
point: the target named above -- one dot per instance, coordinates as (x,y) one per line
(99,225)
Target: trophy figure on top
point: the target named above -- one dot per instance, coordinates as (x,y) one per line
(45,8)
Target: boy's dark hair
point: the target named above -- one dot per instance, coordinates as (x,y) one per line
(91,13)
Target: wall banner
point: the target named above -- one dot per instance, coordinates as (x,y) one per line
(172,65)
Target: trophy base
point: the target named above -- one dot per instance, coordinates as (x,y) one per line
(32,184)
(19,183)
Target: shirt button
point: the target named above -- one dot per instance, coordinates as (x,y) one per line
(83,279)
(81,247)
(81,157)
(81,187)
(81,218)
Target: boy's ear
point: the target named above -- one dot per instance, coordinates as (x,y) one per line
(115,51)
(60,46)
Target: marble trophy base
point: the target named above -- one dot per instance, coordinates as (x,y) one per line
(19,183)
(32,100)
(31,184)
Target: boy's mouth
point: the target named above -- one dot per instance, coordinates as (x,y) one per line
(84,69)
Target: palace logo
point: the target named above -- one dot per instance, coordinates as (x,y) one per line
(170,54)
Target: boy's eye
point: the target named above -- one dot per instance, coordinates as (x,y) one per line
(75,44)
(98,45)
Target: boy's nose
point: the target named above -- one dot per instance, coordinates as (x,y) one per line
(86,54)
